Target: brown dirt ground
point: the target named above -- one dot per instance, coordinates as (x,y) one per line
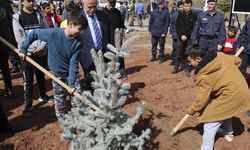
(167,96)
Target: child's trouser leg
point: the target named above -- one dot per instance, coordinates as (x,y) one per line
(60,97)
(210,130)
(227,126)
(78,90)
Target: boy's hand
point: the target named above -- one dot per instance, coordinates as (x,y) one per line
(71,91)
(219,47)
(23,56)
(190,111)
(183,37)
(38,49)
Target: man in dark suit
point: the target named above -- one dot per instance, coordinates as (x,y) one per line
(96,36)
(6,32)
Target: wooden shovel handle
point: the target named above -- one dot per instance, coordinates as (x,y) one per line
(179,124)
(239,51)
(47,73)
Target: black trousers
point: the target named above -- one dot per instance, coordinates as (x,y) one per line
(88,77)
(28,77)
(14,59)
(154,41)
(245,63)
(5,67)
(181,54)
(3,118)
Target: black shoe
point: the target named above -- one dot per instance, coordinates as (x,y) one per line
(15,69)
(124,77)
(27,111)
(161,60)
(174,71)
(7,129)
(9,94)
(171,63)
(187,73)
(153,58)
(123,74)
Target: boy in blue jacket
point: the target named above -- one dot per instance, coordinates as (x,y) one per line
(64,47)
(158,28)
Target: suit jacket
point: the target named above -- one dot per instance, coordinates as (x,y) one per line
(88,43)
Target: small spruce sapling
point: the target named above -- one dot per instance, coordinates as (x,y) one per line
(110,128)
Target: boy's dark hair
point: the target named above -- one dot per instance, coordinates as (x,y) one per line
(196,51)
(72,6)
(188,2)
(233,29)
(44,5)
(77,18)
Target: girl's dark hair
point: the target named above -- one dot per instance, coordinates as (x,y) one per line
(44,5)
(77,18)
(195,51)
(233,29)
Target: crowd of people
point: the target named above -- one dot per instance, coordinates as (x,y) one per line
(60,42)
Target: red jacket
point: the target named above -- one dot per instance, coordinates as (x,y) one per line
(53,20)
(229,45)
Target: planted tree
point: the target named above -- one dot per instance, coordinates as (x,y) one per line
(110,128)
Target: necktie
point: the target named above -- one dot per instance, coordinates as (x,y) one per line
(97,34)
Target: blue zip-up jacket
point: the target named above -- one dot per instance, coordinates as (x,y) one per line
(159,22)
(172,29)
(139,8)
(207,25)
(63,52)
(244,37)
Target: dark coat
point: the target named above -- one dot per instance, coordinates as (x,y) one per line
(244,37)
(6,30)
(159,22)
(88,43)
(172,29)
(185,24)
(115,21)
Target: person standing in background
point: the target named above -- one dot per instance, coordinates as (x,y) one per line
(158,28)
(172,29)
(96,36)
(131,11)
(210,30)
(139,11)
(117,28)
(52,19)
(184,26)
(24,22)
(6,32)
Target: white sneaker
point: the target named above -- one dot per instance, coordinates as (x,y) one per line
(228,138)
